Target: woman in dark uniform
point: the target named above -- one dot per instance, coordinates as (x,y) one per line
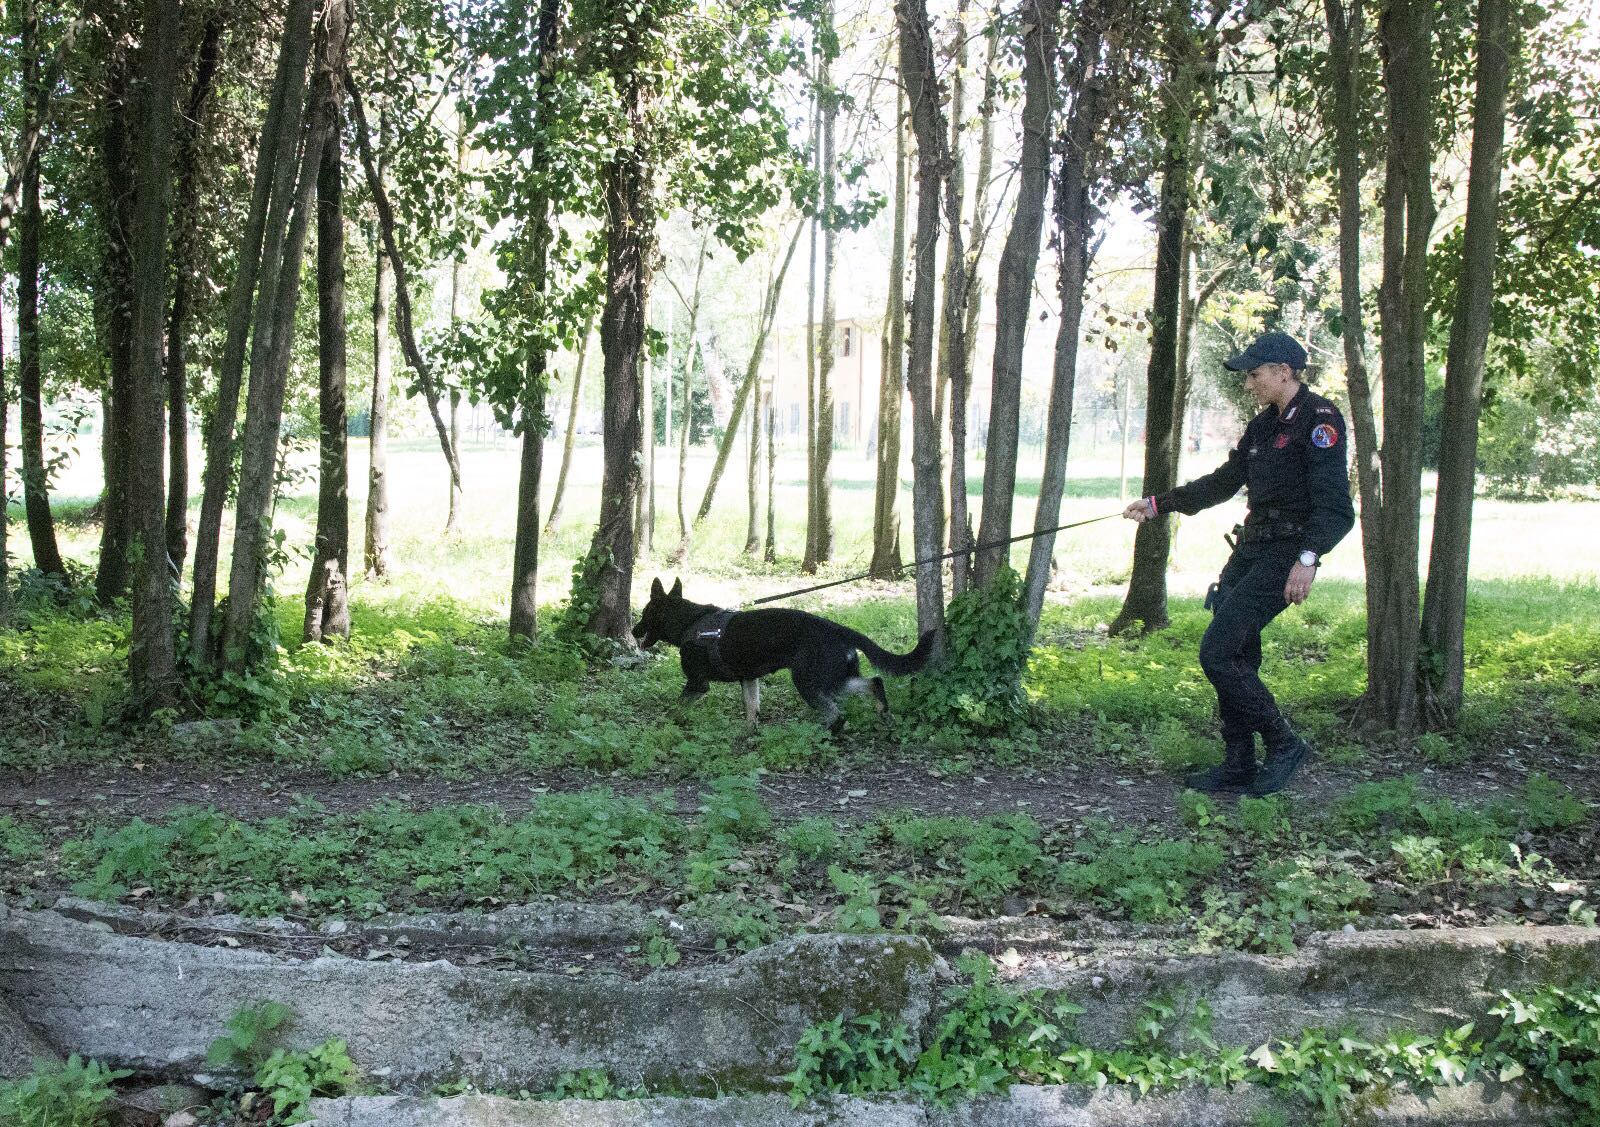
(1291,461)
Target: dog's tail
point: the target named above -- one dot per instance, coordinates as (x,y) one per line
(897,665)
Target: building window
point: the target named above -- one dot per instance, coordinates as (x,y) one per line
(845,341)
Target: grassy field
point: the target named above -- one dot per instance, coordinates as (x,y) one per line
(426,765)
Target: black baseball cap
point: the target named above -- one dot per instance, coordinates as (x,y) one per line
(1269,348)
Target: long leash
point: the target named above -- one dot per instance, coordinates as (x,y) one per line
(935,559)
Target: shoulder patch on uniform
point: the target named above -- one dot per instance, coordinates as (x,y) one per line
(1323,436)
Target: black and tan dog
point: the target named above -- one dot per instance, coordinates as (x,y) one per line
(823,657)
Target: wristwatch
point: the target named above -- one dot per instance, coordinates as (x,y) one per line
(1308,558)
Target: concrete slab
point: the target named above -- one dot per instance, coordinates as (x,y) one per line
(155,1006)
(1370,980)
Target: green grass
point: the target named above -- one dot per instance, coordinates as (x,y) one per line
(1255,877)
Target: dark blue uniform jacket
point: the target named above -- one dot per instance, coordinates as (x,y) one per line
(1295,469)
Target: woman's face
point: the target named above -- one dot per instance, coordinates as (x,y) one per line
(1268,383)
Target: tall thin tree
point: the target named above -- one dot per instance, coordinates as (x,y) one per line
(272,339)
(927,122)
(1405,34)
(827,334)
(184,255)
(152,653)
(1019,261)
(569,439)
(1089,88)
(260,250)
(628,181)
(1444,613)
(114,299)
(328,590)
(5,494)
(524,620)
(1182,105)
(375,554)
(952,328)
(891,368)
(35,485)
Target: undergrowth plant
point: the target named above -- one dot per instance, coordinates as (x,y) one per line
(286,1078)
(976,686)
(992,1036)
(76,1093)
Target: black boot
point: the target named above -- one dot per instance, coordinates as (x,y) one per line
(1285,752)
(1236,773)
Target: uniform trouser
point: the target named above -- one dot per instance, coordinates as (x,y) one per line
(1249,595)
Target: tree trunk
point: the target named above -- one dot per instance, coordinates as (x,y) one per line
(752,531)
(259,254)
(1075,218)
(5,499)
(886,561)
(1444,613)
(271,345)
(524,618)
(688,383)
(35,486)
(978,229)
(1146,600)
(927,501)
(452,520)
(953,305)
(1393,626)
(152,655)
(376,555)
(628,180)
(1192,304)
(554,518)
(328,592)
(402,289)
(770,554)
(1345,42)
(826,347)
(646,516)
(111,577)
(1014,287)
(752,378)
(808,562)
(183,255)
(953,321)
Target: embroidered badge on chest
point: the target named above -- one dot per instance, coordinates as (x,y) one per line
(1323,436)
(1281,441)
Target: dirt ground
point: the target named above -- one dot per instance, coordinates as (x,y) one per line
(860,787)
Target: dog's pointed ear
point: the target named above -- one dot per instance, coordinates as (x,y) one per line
(656,590)
(677,588)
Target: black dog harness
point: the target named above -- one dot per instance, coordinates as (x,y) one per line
(705,636)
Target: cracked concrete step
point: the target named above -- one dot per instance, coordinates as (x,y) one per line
(155,1006)
(20,1047)
(1373,981)
(1470,1105)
